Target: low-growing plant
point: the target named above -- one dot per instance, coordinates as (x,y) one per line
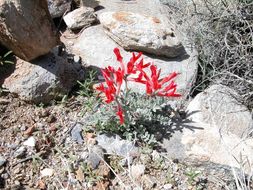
(137,113)
(4,59)
(85,87)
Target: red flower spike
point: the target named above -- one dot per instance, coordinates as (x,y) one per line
(168,78)
(118,55)
(120,114)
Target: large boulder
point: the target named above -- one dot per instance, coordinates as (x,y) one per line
(58,8)
(79,18)
(139,32)
(96,49)
(26,28)
(44,79)
(217,129)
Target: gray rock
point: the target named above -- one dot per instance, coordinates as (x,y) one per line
(89,3)
(2,161)
(115,145)
(26,28)
(218,132)
(76,133)
(96,49)
(57,8)
(96,155)
(79,18)
(138,32)
(20,152)
(44,79)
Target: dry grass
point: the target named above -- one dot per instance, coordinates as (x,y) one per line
(222,31)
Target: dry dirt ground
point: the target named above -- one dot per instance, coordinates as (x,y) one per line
(56,162)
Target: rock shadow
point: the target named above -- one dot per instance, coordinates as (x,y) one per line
(183,56)
(6,69)
(179,122)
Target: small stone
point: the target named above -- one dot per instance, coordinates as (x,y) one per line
(155,155)
(168,186)
(2,161)
(2,170)
(77,59)
(5,176)
(137,171)
(95,156)
(20,152)
(17,183)
(79,18)
(47,172)
(30,142)
(76,133)
(16,170)
(23,128)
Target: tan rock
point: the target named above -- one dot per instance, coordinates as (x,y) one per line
(26,28)
(139,32)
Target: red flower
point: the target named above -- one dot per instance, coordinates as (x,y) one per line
(119,59)
(118,55)
(120,114)
(154,85)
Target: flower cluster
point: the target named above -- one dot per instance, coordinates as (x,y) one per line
(114,78)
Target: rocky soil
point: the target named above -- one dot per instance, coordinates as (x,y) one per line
(42,148)
(45,141)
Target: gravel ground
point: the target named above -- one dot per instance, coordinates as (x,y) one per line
(37,151)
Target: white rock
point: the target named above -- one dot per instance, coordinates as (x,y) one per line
(219,131)
(137,170)
(219,106)
(77,59)
(79,18)
(30,142)
(47,172)
(96,49)
(138,32)
(168,186)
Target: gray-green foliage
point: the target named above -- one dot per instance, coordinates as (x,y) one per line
(144,115)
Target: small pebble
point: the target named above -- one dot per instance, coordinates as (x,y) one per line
(167,186)
(23,128)
(20,152)
(77,59)
(47,172)
(30,142)
(137,171)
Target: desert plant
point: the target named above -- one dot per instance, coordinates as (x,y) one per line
(4,58)
(137,113)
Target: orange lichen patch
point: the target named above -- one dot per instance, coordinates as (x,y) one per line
(156,20)
(122,17)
